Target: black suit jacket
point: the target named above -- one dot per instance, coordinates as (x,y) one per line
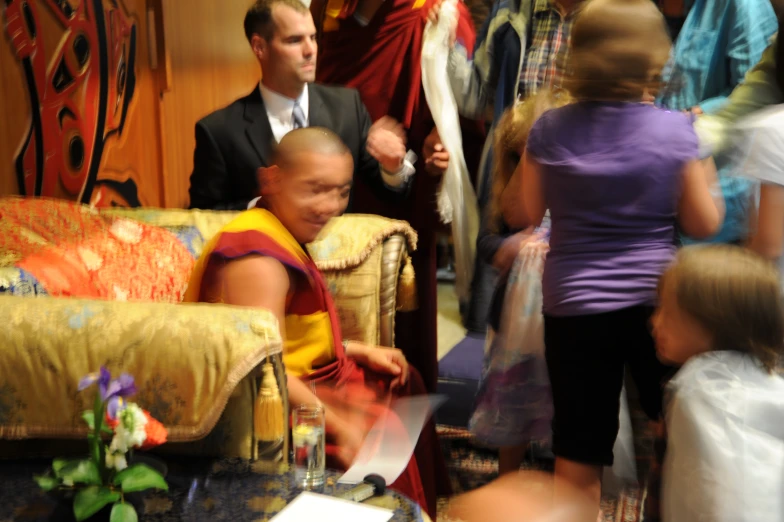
(233,142)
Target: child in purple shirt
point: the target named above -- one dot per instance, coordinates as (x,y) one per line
(617,176)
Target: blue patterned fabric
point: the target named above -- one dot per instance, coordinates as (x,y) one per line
(719,42)
(188,236)
(18,282)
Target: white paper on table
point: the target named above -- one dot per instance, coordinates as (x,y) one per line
(386,451)
(312,506)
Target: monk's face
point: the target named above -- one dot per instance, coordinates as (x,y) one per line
(310,189)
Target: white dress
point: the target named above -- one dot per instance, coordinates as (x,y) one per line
(759,148)
(725,449)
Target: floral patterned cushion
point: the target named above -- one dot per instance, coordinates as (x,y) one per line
(73,250)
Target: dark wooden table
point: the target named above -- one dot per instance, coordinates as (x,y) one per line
(199,490)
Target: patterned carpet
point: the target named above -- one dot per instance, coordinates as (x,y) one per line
(471,466)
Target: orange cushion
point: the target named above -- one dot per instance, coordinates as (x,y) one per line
(72,250)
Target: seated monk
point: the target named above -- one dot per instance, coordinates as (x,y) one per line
(259,260)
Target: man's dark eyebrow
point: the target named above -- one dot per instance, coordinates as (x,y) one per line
(299,36)
(317,183)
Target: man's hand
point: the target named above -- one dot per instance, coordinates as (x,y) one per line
(389,361)
(386,142)
(432,16)
(436,156)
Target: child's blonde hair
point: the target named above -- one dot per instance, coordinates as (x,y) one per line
(509,139)
(617,51)
(733,294)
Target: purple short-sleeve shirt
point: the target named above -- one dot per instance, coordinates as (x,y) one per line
(611,174)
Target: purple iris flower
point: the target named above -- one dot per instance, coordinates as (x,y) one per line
(123,386)
(115,406)
(102,377)
(113,391)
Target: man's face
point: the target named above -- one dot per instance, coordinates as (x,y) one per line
(312,188)
(290,55)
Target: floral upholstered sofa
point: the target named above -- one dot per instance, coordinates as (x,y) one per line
(196,365)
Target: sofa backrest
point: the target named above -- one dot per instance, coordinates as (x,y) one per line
(353,252)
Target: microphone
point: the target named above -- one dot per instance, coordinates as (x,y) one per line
(370,486)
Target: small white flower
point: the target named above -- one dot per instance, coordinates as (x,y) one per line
(118,444)
(116,461)
(130,432)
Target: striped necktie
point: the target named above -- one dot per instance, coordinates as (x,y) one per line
(298,116)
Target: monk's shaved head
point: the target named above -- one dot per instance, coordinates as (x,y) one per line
(309,182)
(311,140)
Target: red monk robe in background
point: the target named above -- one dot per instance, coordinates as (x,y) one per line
(382,61)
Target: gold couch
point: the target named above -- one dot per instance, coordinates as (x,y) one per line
(196,365)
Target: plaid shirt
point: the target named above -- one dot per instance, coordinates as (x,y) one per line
(545,56)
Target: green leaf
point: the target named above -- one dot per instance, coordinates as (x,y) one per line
(90,500)
(138,478)
(89,418)
(58,464)
(122,512)
(46,482)
(80,472)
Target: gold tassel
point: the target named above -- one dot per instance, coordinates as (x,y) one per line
(268,414)
(406,289)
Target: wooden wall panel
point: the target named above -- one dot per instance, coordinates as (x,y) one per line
(15,108)
(201,62)
(106,102)
(137,153)
(15,99)
(210,65)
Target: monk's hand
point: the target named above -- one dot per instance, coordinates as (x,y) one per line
(386,142)
(389,361)
(348,439)
(436,156)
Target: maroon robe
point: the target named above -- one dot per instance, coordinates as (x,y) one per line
(383,61)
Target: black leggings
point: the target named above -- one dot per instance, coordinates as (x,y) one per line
(586,356)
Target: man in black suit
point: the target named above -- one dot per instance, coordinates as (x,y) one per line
(234,142)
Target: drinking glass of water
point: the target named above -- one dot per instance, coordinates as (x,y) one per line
(308,438)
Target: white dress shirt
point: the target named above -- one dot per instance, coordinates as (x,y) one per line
(280,108)
(280,115)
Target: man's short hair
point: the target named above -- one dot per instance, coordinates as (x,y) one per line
(258,19)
